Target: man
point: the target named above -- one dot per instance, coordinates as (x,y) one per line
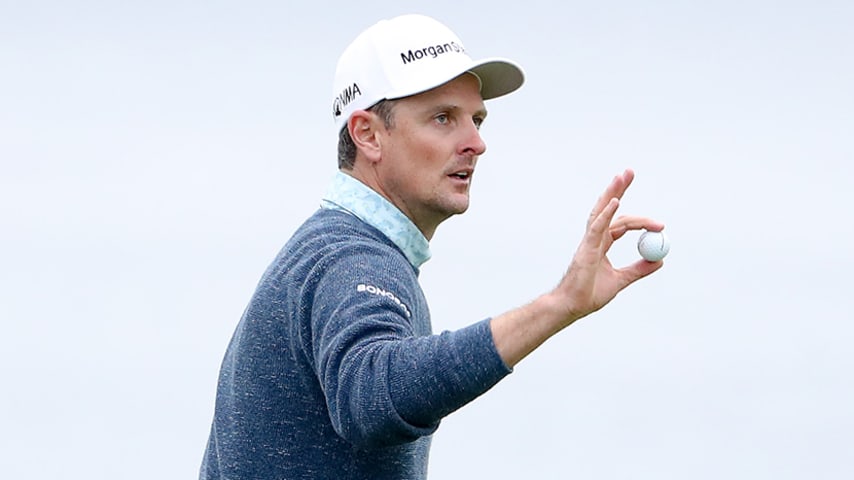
(333,371)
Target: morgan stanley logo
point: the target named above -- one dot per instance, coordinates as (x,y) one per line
(382,293)
(431,52)
(344,98)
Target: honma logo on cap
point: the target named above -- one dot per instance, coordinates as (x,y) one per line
(344,98)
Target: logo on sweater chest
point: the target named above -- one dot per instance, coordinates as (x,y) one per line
(383,293)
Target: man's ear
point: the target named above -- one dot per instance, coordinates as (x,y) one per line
(362,126)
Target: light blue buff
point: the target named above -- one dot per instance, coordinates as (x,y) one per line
(347,194)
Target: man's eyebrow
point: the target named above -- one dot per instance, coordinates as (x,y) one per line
(481,112)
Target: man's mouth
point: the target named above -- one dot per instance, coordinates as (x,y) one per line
(462,175)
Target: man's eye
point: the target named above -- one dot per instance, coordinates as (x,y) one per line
(442,118)
(478,121)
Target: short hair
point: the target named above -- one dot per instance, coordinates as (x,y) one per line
(347,149)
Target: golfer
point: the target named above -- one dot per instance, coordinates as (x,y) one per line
(334,371)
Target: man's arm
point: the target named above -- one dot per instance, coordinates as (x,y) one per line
(385,378)
(588,285)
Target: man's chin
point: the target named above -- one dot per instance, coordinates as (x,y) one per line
(459,208)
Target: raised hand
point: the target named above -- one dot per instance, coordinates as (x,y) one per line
(591,281)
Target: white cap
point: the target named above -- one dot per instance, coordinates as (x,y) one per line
(406,55)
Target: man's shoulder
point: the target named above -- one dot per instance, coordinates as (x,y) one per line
(334,234)
(328,226)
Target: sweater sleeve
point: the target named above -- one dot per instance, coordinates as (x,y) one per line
(386,379)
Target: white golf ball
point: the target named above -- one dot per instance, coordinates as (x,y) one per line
(653,246)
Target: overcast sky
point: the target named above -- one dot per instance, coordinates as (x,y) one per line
(156,155)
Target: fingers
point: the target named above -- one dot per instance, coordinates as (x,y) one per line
(601,223)
(628,178)
(626,223)
(602,217)
(638,270)
(616,189)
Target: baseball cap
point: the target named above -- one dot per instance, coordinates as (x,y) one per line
(407,55)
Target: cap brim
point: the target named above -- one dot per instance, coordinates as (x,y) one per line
(498,77)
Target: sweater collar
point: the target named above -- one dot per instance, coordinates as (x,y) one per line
(347,194)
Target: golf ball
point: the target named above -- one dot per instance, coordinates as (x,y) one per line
(653,246)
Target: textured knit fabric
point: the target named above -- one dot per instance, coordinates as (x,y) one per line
(347,194)
(332,372)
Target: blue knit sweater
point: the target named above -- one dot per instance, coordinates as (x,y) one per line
(333,371)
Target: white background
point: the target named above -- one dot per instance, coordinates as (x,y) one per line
(156,155)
